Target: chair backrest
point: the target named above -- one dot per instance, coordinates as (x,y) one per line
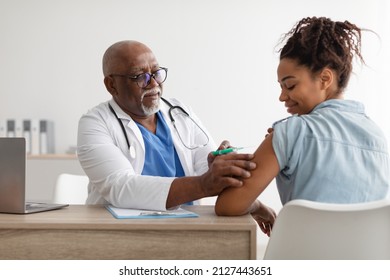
(71,189)
(314,230)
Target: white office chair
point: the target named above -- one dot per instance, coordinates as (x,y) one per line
(313,230)
(71,189)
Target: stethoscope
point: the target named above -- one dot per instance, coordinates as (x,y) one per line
(131,149)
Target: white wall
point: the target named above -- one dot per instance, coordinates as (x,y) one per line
(221,56)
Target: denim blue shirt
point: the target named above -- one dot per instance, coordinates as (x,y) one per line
(334,154)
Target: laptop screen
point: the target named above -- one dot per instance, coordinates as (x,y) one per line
(12,174)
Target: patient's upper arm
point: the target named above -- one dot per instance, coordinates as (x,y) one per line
(237,201)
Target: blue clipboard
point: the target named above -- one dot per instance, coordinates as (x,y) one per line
(125,213)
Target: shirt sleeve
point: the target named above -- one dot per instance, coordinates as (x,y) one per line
(288,141)
(112,177)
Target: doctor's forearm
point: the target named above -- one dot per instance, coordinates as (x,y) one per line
(185,189)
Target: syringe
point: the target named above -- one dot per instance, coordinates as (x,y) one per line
(226,151)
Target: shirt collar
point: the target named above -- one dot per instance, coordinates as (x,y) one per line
(342,105)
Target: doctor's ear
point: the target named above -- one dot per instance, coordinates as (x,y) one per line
(109,82)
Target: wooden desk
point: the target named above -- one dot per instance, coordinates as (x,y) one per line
(91,232)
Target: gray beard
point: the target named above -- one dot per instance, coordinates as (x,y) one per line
(153,109)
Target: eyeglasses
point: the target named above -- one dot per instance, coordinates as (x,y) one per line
(144,79)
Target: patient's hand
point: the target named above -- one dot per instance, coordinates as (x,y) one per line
(264,216)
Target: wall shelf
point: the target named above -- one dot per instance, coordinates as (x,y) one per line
(52,156)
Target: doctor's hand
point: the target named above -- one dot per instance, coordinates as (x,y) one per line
(269,130)
(226,170)
(224,145)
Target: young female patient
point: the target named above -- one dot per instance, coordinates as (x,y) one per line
(329,150)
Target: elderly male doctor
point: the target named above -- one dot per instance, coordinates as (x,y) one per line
(142,152)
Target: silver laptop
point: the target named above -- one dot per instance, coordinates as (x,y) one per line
(13,179)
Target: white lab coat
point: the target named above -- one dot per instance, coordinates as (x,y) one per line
(115,177)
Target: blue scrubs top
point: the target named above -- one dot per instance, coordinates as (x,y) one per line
(161,158)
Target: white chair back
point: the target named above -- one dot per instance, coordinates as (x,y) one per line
(71,189)
(313,230)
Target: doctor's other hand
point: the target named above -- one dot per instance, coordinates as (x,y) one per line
(227,170)
(264,216)
(269,130)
